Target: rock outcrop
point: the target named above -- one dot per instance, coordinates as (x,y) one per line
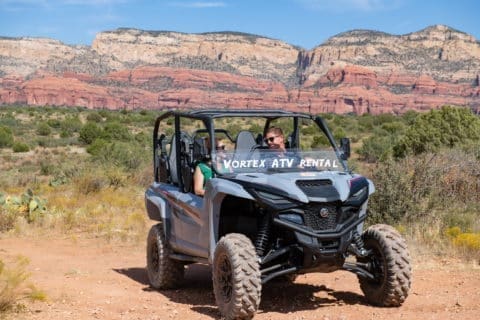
(354,72)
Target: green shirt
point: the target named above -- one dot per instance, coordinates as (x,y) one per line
(206,171)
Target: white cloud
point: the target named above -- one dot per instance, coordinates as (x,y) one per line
(352,5)
(91,2)
(52,3)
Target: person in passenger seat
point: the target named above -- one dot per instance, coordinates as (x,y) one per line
(203,170)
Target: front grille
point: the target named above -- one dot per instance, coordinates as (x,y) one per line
(317,188)
(312,216)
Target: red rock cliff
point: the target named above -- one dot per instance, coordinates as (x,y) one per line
(354,72)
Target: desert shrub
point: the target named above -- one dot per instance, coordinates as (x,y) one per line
(89,132)
(20,147)
(394,127)
(409,117)
(116,177)
(70,125)
(319,141)
(365,122)
(95,148)
(127,155)
(447,127)
(376,148)
(234,129)
(255,128)
(52,143)
(66,133)
(468,240)
(467,243)
(103,113)
(339,133)
(90,182)
(94,117)
(6,137)
(8,121)
(47,166)
(143,138)
(114,131)
(43,129)
(418,188)
(54,123)
(464,219)
(7,219)
(393,198)
(14,285)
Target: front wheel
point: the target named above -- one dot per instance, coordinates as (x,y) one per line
(236,277)
(389,262)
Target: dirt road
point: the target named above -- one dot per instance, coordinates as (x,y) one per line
(92,279)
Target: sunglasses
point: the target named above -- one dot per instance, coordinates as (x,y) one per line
(220,148)
(270,139)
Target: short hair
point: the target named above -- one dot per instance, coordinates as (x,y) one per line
(275,130)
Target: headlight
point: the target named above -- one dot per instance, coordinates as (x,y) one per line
(291,217)
(275,201)
(358,198)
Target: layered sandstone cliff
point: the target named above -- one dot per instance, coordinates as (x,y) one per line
(357,71)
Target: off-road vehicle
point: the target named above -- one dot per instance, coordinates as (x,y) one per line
(264,215)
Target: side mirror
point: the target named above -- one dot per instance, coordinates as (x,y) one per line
(345,148)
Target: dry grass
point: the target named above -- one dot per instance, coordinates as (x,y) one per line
(15,287)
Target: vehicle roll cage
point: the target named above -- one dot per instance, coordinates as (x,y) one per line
(208,115)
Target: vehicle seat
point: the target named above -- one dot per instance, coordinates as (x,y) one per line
(185,161)
(244,144)
(200,150)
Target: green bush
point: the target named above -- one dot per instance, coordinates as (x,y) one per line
(89,132)
(96,147)
(54,123)
(339,133)
(66,133)
(127,155)
(447,127)
(94,117)
(6,137)
(43,129)
(20,147)
(70,125)
(115,131)
(417,188)
(376,148)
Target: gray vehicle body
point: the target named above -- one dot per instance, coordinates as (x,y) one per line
(193,225)
(191,222)
(265,214)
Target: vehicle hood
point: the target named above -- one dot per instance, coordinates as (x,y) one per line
(322,186)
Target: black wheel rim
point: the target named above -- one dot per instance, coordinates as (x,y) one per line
(378,267)
(225,278)
(154,256)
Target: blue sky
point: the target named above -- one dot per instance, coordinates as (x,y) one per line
(306,23)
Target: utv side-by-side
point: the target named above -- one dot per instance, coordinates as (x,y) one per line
(265,214)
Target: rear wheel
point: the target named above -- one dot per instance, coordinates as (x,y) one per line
(163,272)
(389,262)
(236,277)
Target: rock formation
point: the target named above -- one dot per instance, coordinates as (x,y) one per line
(354,72)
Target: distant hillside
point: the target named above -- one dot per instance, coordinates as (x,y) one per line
(353,72)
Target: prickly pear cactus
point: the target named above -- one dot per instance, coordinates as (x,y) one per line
(27,204)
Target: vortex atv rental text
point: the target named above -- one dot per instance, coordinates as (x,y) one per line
(265,214)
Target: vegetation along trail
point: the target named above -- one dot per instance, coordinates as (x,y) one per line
(72,185)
